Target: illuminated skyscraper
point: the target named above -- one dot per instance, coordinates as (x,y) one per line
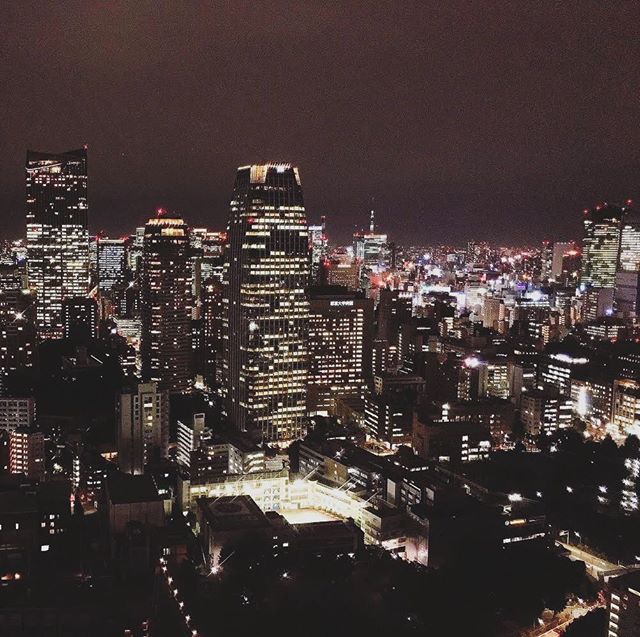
(340,344)
(112,261)
(319,248)
(601,244)
(370,248)
(57,234)
(630,240)
(266,310)
(165,306)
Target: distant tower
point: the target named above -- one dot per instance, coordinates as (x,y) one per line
(165,307)
(630,239)
(601,245)
(372,222)
(266,310)
(57,233)
(111,259)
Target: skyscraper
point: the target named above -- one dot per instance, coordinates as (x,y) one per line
(340,344)
(370,248)
(601,245)
(630,240)
(266,310)
(165,306)
(318,248)
(112,261)
(80,319)
(57,234)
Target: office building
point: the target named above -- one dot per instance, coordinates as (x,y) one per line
(388,418)
(189,438)
(18,338)
(112,262)
(626,300)
(625,413)
(212,342)
(165,310)
(142,421)
(340,345)
(624,606)
(543,412)
(318,249)
(17,412)
(57,233)
(630,240)
(600,245)
(560,250)
(266,309)
(26,453)
(450,440)
(370,248)
(340,272)
(80,319)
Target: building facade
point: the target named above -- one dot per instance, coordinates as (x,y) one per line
(340,345)
(142,419)
(601,245)
(266,309)
(165,347)
(57,233)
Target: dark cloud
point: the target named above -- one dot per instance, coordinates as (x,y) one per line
(458,119)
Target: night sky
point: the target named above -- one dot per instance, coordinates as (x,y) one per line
(488,120)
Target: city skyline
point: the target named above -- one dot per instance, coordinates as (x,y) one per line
(384,379)
(421,115)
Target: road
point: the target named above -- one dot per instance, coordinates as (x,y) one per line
(596,566)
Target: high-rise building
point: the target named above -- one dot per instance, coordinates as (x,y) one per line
(339,272)
(80,319)
(624,606)
(543,412)
(189,437)
(18,339)
(212,317)
(630,240)
(370,248)
(165,310)
(266,311)
(627,294)
(318,248)
(601,245)
(142,419)
(340,344)
(560,249)
(57,233)
(17,412)
(26,453)
(112,262)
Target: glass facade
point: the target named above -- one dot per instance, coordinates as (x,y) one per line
(266,309)
(57,233)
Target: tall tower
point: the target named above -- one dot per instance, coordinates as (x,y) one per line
(57,233)
(630,239)
(340,344)
(601,245)
(112,261)
(165,306)
(266,309)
